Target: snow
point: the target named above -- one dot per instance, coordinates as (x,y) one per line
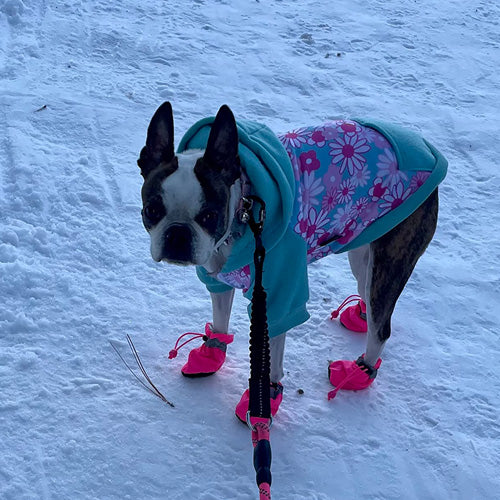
(76,273)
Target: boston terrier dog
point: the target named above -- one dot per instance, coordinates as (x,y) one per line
(363,187)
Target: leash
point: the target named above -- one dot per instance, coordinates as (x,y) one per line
(259,418)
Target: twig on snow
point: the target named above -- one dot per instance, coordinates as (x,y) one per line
(152,387)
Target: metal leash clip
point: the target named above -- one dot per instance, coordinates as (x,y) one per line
(257,224)
(246,205)
(245,212)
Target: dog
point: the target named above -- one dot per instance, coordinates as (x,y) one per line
(192,202)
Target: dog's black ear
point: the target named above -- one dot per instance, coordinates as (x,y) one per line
(222,145)
(160,140)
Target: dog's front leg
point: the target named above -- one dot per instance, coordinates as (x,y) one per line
(210,356)
(221,310)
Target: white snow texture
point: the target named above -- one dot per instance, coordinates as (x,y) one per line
(79,82)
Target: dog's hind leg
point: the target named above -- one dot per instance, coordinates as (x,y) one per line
(391,261)
(358,260)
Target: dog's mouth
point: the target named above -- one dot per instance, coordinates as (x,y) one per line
(176,262)
(173,258)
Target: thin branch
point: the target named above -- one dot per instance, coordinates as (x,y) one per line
(143,370)
(153,389)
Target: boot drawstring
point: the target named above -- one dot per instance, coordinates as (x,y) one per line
(173,353)
(344,381)
(351,298)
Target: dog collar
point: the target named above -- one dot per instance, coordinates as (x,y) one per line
(238,208)
(245,204)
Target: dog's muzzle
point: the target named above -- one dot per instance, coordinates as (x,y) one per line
(178,244)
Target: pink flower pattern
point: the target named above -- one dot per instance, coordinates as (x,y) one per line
(361,177)
(329,131)
(418,180)
(360,205)
(346,191)
(388,168)
(372,136)
(347,176)
(295,138)
(349,151)
(397,195)
(240,278)
(329,201)
(310,224)
(342,217)
(377,190)
(311,188)
(308,161)
(348,127)
(317,138)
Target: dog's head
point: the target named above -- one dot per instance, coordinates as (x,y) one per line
(188,205)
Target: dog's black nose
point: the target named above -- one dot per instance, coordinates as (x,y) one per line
(178,243)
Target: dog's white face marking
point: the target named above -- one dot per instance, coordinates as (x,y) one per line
(181,192)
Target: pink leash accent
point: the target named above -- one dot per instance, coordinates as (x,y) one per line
(260,432)
(347,301)
(264,491)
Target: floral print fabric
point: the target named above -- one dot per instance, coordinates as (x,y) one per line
(347,176)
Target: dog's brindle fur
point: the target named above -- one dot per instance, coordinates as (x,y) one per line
(392,259)
(382,268)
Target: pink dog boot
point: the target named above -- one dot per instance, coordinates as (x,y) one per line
(354,317)
(276,398)
(351,375)
(209,357)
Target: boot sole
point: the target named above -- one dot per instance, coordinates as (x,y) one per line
(239,419)
(351,330)
(197,375)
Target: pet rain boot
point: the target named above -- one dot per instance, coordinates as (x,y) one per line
(276,398)
(354,317)
(351,375)
(209,357)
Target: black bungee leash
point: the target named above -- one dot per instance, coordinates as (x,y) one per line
(259,410)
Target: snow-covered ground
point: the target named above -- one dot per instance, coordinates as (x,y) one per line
(79,81)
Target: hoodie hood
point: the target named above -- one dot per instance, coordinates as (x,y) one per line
(269,169)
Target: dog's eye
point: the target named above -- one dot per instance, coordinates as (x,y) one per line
(208,219)
(154,212)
